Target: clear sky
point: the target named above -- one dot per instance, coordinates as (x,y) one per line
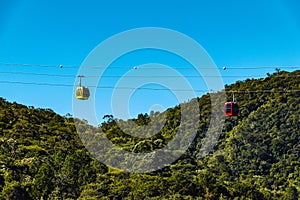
(49,32)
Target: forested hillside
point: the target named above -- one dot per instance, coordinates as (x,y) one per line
(256,156)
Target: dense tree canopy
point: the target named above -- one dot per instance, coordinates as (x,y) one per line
(257,156)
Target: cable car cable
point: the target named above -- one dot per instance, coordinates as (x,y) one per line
(140,76)
(122,67)
(151,88)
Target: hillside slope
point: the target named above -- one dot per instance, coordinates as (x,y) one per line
(256,157)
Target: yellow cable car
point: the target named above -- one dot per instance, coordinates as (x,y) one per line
(82,93)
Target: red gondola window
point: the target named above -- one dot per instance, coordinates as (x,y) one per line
(235,109)
(228,108)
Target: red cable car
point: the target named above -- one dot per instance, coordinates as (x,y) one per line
(231,108)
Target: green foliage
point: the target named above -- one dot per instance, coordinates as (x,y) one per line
(257,155)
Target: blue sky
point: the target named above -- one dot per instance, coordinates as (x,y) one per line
(234,33)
